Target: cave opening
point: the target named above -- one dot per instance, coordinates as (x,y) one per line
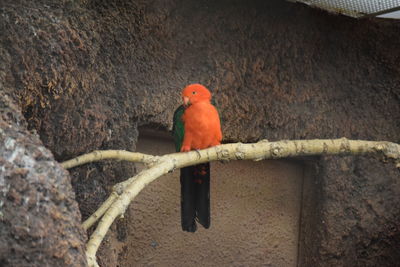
(255,215)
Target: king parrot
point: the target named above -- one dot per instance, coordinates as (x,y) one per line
(196,125)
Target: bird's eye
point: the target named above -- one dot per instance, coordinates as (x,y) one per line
(194,92)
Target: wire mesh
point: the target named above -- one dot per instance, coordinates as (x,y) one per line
(354,8)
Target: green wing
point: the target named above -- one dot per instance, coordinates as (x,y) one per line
(178,128)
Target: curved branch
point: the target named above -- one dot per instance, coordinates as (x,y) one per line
(100,211)
(135,185)
(256,151)
(108,154)
(117,190)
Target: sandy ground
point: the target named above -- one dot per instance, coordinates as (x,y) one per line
(254,217)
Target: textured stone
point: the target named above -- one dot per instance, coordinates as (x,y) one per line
(39,217)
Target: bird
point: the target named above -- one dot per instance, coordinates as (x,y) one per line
(196,125)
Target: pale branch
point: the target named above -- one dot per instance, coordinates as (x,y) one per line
(108,154)
(117,190)
(255,151)
(100,211)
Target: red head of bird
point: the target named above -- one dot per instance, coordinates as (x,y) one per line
(195,93)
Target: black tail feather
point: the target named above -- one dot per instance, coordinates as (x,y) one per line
(195,196)
(202,184)
(188,198)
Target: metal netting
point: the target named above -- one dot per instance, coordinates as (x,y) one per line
(354,8)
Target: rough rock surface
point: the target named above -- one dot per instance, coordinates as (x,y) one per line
(361,222)
(87,73)
(349,217)
(39,217)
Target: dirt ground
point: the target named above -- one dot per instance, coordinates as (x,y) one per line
(255,210)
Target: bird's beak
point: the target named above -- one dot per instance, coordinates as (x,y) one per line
(186,101)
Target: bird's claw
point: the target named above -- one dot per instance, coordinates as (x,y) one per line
(198,152)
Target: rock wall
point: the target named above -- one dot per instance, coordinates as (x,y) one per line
(39,217)
(87,73)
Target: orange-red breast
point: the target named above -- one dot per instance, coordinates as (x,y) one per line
(201,121)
